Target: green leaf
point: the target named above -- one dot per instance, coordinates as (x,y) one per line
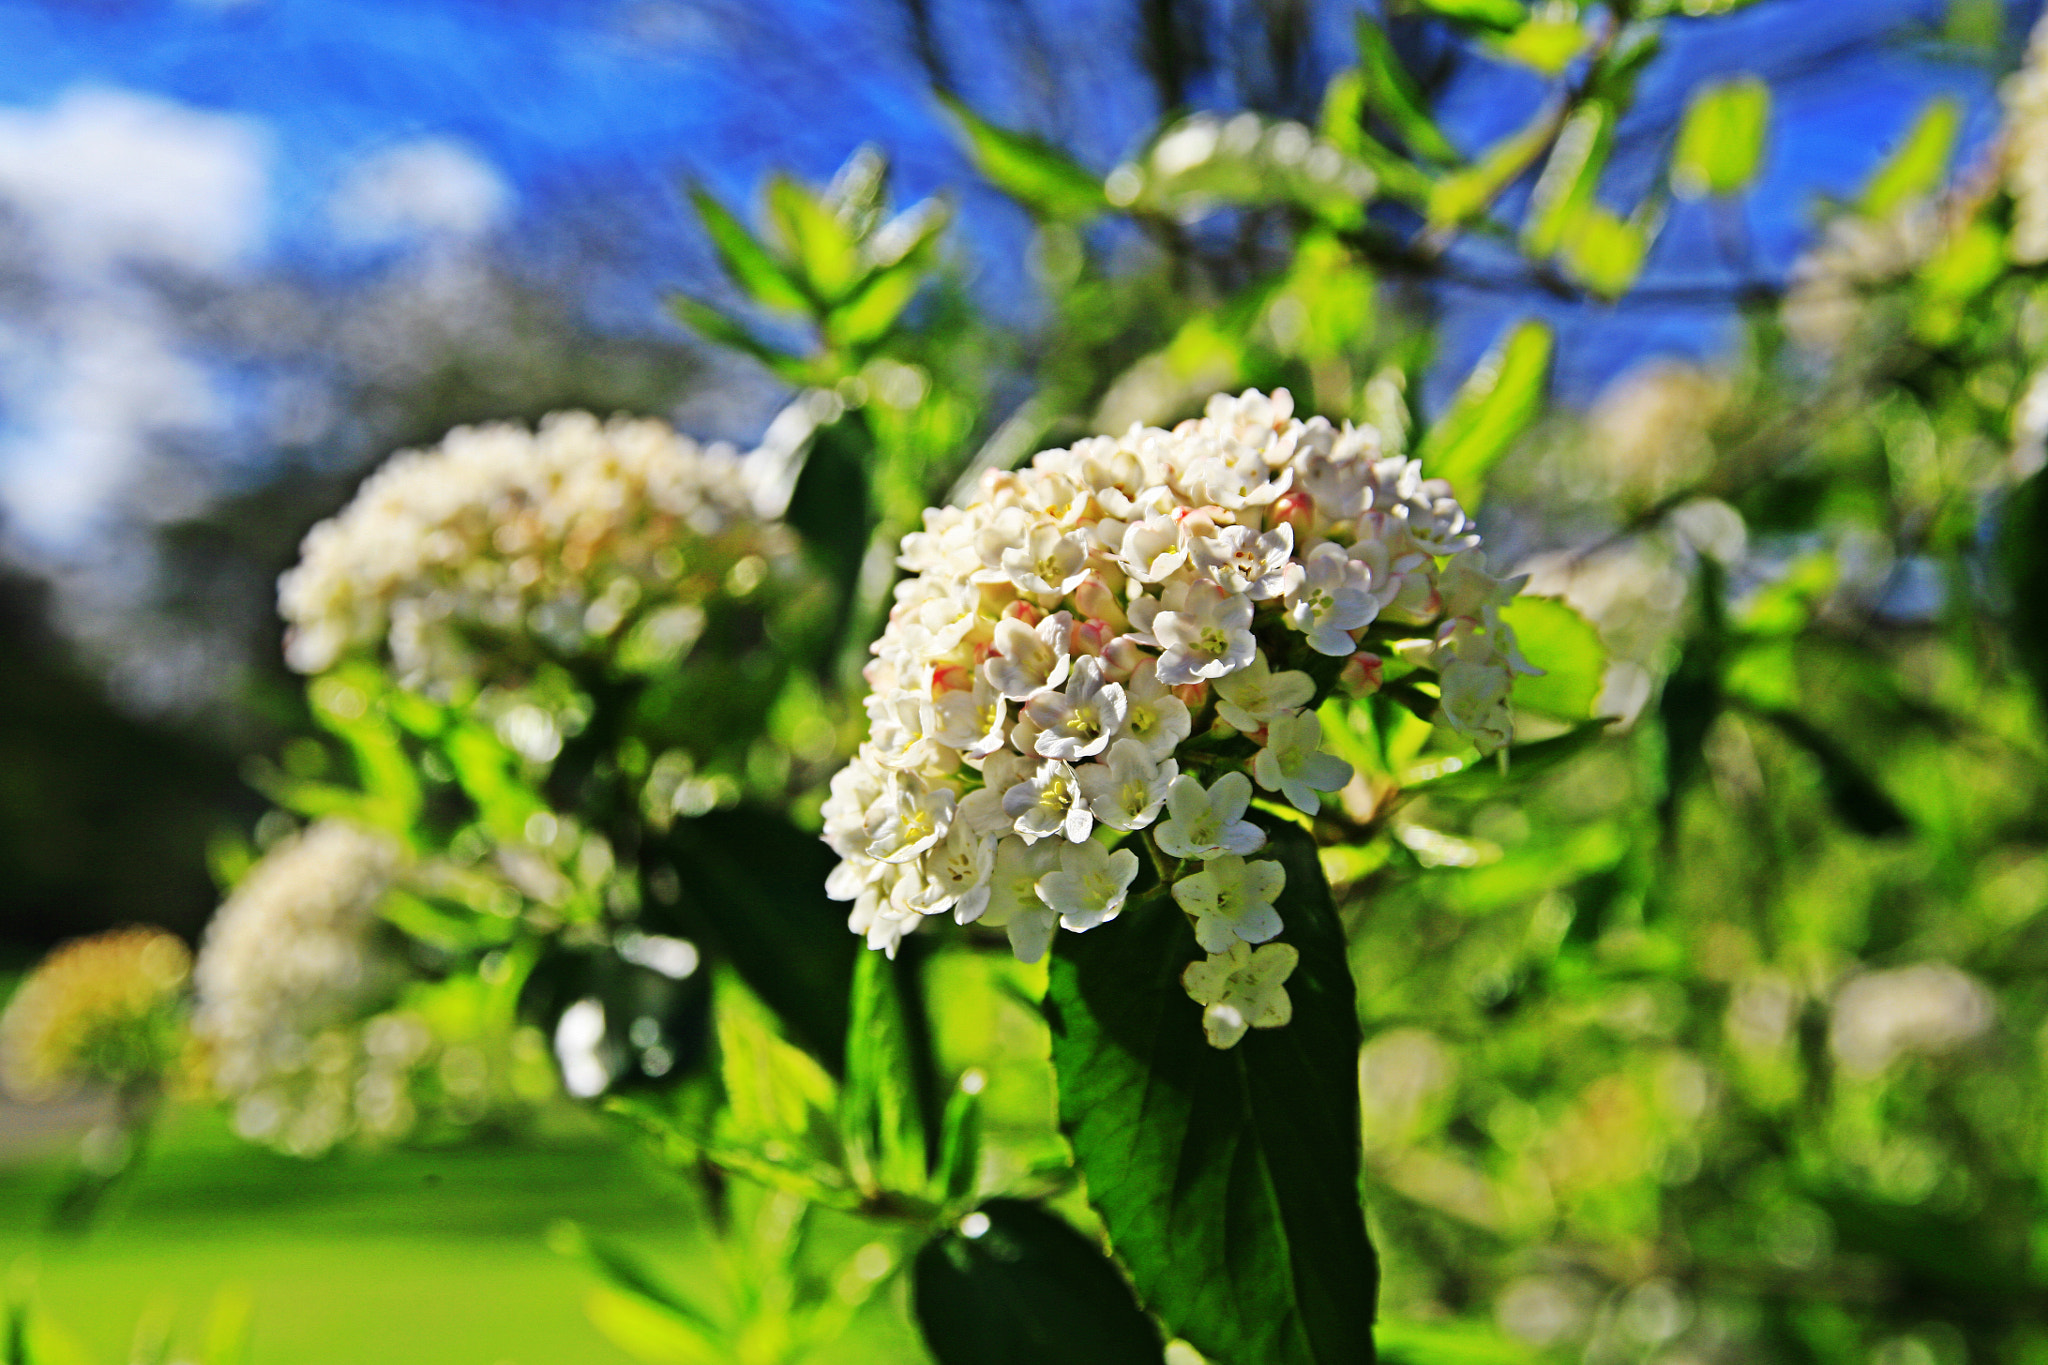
(1565,188)
(750,264)
(960,1138)
(1604,251)
(1917,165)
(1476,777)
(1391,94)
(1566,646)
(2024,559)
(774,1092)
(1467,194)
(1028,169)
(626,1272)
(1500,15)
(868,315)
(1721,141)
(1495,405)
(1411,1343)
(1228,1180)
(880,1118)
(1860,803)
(815,238)
(754,884)
(1545,46)
(1614,76)
(647,1334)
(1012,1284)
(716,327)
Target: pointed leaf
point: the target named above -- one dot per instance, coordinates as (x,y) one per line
(750,264)
(1570,176)
(716,327)
(1500,15)
(1391,94)
(1545,46)
(1721,142)
(880,1119)
(1495,405)
(1012,1284)
(815,238)
(1029,169)
(867,316)
(1228,1180)
(1917,165)
(1467,194)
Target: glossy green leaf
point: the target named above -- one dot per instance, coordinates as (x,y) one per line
(1413,1343)
(960,1138)
(1497,402)
(1918,165)
(750,264)
(1391,94)
(1228,1180)
(1029,169)
(1721,140)
(1566,646)
(1011,1284)
(774,1092)
(813,235)
(880,1120)
(1500,15)
(1570,176)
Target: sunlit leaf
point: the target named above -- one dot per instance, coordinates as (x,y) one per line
(750,264)
(814,236)
(880,1120)
(1228,1180)
(1029,169)
(1011,1284)
(1916,166)
(960,1138)
(649,1335)
(629,1274)
(872,310)
(1566,646)
(1571,175)
(1501,15)
(1545,46)
(1497,402)
(716,327)
(1473,777)
(774,1092)
(1721,141)
(1391,94)
(1604,251)
(1467,194)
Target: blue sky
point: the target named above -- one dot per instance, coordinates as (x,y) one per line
(337,141)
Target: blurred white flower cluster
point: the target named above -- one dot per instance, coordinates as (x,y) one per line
(287,970)
(2025,96)
(581,537)
(1067,635)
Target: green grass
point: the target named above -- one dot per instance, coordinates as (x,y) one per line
(396,1257)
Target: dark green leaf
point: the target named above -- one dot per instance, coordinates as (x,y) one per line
(2025,554)
(755,885)
(1391,94)
(1862,805)
(1495,404)
(1026,1289)
(1483,777)
(750,264)
(1228,1180)
(960,1138)
(1721,142)
(1691,700)
(1029,169)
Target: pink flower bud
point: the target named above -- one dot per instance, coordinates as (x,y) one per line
(1361,675)
(1099,604)
(1121,657)
(1296,509)
(951,678)
(1193,695)
(1025,612)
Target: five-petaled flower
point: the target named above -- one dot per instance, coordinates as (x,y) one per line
(1207,824)
(1232,901)
(1241,988)
(1293,762)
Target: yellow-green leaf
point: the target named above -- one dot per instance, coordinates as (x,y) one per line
(1495,404)
(1604,251)
(1028,169)
(1570,176)
(813,235)
(1545,46)
(750,264)
(1721,142)
(1916,166)
(1502,15)
(1392,95)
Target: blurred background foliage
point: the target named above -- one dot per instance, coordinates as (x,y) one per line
(1706,1029)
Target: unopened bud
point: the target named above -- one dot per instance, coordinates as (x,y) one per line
(1297,509)
(1361,675)
(1098,603)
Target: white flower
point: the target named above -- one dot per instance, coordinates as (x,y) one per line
(1048,561)
(1293,764)
(1152,549)
(968,719)
(1027,659)
(1207,637)
(1079,722)
(956,875)
(1157,719)
(1255,695)
(1128,790)
(1329,596)
(1242,988)
(909,818)
(1240,559)
(1232,901)
(1208,824)
(1090,885)
(1013,902)
(1049,802)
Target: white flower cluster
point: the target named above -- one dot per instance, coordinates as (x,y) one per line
(288,968)
(1066,635)
(581,536)
(2025,96)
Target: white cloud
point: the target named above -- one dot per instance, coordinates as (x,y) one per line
(432,188)
(105,176)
